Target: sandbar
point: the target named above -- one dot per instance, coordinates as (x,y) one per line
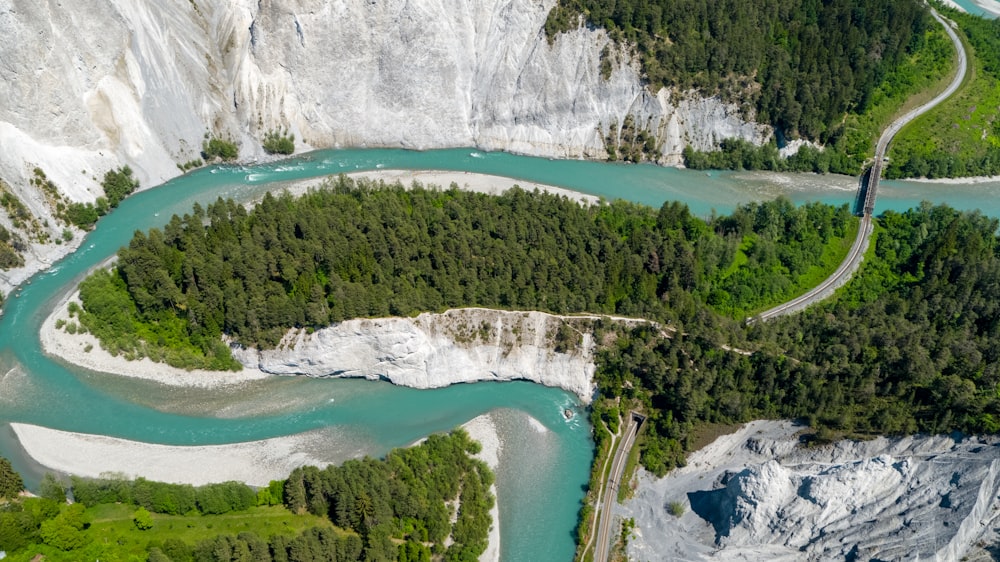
(466,181)
(253,462)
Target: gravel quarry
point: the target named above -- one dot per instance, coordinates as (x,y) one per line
(759,494)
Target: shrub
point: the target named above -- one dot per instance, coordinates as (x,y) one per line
(117,185)
(143,519)
(279,142)
(675,508)
(219,148)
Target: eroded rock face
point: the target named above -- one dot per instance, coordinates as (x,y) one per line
(757,495)
(92,84)
(436,350)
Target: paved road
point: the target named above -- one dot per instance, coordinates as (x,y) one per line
(604,515)
(870,191)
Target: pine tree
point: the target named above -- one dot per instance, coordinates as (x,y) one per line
(11,483)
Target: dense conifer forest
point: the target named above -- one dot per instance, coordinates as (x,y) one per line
(912,344)
(358,249)
(400,508)
(799,64)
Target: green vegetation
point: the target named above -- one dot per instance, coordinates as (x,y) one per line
(118,184)
(404,498)
(223,149)
(961,137)
(279,142)
(631,143)
(10,481)
(915,80)
(800,65)
(675,508)
(191,164)
(911,344)
(11,247)
(397,509)
(143,519)
(356,249)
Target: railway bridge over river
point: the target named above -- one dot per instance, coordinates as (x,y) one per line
(864,208)
(868,191)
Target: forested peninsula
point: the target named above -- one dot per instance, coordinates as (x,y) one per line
(363,249)
(910,344)
(431,500)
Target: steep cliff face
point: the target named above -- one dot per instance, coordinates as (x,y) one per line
(93,84)
(437,350)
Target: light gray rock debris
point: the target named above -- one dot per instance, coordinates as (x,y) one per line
(758,495)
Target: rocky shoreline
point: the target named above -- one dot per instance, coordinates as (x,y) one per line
(429,351)
(254,462)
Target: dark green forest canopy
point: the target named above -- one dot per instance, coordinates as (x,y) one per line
(800,64)
(912,344)
(360,249)
(403,507)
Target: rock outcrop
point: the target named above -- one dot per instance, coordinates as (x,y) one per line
(757,494)
(90,85)
(437,350)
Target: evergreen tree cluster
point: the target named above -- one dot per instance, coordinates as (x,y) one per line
(911,345)
(406,497)
(407,507)
(361,249)
(801,64)
(10,481)
(162,497)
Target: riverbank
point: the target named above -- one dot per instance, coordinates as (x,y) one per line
(956,181)
(254,462)
(84,350)
(429,351)
(484,430)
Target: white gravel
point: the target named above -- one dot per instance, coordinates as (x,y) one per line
(253,462)
(72,348)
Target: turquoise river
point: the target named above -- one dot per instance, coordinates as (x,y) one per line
(543,473)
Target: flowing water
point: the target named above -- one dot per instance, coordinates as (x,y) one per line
(541,482)
(972,7)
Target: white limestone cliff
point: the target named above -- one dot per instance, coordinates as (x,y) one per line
(90,85)
(437,350)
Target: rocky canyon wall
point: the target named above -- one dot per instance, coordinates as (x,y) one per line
(90,85)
